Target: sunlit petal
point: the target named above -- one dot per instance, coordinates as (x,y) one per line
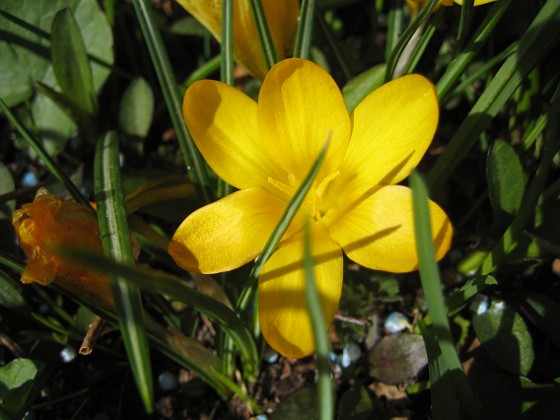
(299,107)
(223,123)
(283,313)
(392,129)
(377,229)
(226,234)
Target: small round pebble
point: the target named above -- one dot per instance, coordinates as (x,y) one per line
(167,381)
(68,354)
(396,322)
(350,354)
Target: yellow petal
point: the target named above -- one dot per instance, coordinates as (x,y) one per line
(476,2)
(283,314)
(392,129)
(282,18)
(223,124)
(299,107)
(377,230)
(226,234)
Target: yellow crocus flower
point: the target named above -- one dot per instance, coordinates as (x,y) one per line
(265,150)
(49,222)
(281,15)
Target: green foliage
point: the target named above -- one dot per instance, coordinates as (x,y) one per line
(85,78)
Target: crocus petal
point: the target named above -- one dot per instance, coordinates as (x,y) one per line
(377,229)
(282,19)
(299,107)
(223,123)
(283,313)
(226,234)
(392,128)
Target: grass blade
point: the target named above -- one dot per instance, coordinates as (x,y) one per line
(305,29)
(431,283)
(320,338)
(269,51)
(175,288)
(38,148)
(534,45)
(193,161)
(226,63)
(115,235)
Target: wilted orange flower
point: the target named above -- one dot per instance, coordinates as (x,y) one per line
(282,19)
(48,222)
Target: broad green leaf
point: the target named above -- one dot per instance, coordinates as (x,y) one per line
(7,239)
(545,313)
(506,183)
(25,52)
(6,186)
(71,64)
(20,382)
(505,397)
(302,404)
(137,108)
(10,295)
(362,85)
(355,404)
(503,334)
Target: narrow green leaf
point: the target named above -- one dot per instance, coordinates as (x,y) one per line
(115,235)
(36,146)
(457,67)
(325,393)
(137,108)
(534,45)
(175,288)
(544,313)
(160,59)
(281,227)
(269,51)
(406,37)
(304,35)
(71,64)
(431,283)
(248,291)
(226,66)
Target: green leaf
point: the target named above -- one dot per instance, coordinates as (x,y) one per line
(6,186)
(302,404)
(10,295)
(115,235)
(458,299)
(506,183)
(355,404)
(544,313)
(175,288)
(505,397)
(71,64)
(362,85)
(25,43)
(25,52)
(137,108)
(20,382)
(534,45)
(503,334)
(319,328)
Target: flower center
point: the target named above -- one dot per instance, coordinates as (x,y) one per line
(315,199)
